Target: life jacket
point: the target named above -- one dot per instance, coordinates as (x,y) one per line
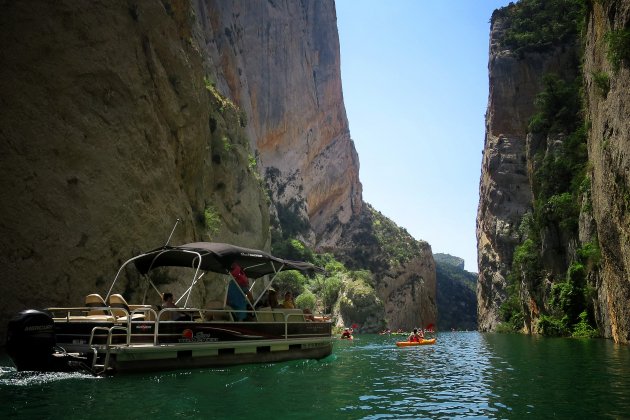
(239,275)
(414,338)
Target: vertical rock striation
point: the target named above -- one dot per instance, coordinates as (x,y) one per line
(514,180)
(609,155)
(279,61)
(505,193)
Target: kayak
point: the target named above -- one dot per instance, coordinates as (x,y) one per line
(415,343)
(346,338)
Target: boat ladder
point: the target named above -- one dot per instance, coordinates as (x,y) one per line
(99,369)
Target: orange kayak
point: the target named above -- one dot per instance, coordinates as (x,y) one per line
(415,343)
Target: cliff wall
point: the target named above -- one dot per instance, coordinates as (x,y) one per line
(609,154)
(552,224)
(105,140)
(505,192)
(279,61)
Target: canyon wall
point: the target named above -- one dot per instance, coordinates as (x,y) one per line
(279,61)
(120,117)
(609,155)
(570,230)
(505,193)
(107,135)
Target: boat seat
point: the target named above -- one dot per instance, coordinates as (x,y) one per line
(95,300)
(264,314)
(218,314)
(292,315)
(120,308)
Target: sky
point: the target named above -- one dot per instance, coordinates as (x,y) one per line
(415,87)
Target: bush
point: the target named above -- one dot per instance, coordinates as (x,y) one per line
(602,82)
(292,281)
(212,221)
(618,43)
(583,329)
(552,327)
(306,300)
(536,25)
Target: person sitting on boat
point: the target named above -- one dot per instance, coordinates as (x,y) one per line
(288,301)
(346,333)
(167,302)
(416,336)
(238,293)
(308,315)
(272,299)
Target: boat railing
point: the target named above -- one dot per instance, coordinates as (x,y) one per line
(143,314)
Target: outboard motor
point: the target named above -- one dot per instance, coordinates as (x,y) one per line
(31,341)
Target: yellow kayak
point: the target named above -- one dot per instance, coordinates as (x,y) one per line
(415,343)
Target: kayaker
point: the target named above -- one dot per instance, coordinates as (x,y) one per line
(346,333)
(415,336)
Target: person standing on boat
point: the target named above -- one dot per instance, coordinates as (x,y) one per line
(416,336)
(238,293)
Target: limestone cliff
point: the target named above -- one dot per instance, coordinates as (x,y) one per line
(553,214)
(279,61)
(504,190)
(108,134)
(608,109)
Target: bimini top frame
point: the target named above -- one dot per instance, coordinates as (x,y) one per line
(215,257)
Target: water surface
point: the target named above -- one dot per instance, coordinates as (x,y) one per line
(464,375)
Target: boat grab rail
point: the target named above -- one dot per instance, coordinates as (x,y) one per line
(108,346)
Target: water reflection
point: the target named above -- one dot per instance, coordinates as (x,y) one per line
(463,375)
(560,377)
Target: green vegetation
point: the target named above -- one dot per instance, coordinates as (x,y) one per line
(602,81)
(618,43)
(559,182)
(212,220)
(538,25)
(395,241)
(319,292)
(456,294)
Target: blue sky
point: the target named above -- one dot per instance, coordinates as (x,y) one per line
(415,86)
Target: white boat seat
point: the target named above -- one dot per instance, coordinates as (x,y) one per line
(222,312)
(95,300)
(292,315)
(264,314)
(120,308)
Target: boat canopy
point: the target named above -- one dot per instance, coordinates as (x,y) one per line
(218,257)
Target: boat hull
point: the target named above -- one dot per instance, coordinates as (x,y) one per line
(105,347)
(415,343)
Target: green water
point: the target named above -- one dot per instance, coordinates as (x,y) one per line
(463,375)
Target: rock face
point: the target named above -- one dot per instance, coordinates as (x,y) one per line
(403,268)
(509,161)
(279,61)
(119,117)
(504,189)
(105,141)
(609,155)
(456,294)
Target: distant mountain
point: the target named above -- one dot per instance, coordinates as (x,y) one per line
(456,294)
